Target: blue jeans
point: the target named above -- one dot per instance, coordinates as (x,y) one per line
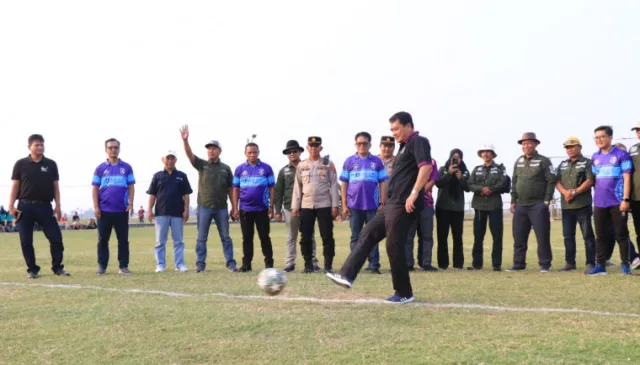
(221,218)
(163,223)
(581,216)
(423,225)
(357,220)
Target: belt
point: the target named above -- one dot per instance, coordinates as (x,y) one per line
(33,202)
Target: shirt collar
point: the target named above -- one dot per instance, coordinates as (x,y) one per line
(31,159)
(613,148)
(534,155)
(362,158)
(579,159)
(116,164)
(246,163)
(414,134)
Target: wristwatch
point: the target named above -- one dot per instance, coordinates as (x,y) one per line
(413,192)
(626,200)
(574,192)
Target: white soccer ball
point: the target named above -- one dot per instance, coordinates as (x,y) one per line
(272,281)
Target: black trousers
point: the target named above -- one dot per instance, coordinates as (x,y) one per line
(43,215)
(108,222)
(446,219)
(393,223)
(496,226)
(603,219)
(325,224)
(524,218)
(261,222)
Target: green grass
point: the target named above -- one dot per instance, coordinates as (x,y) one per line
(40,325)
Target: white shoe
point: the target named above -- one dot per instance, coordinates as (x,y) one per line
(635,264)
(159,269)
(610,263)
(182,268)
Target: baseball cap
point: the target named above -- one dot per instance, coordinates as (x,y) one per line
(170,153)
(213,142)
(572,141)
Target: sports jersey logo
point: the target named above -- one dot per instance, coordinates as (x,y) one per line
(261,172)
(373,165)
(44,168)
(122,171)
(613,159)
(596,162)
(356,166)
(244,173)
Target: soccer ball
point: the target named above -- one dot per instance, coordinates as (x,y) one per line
(272,281)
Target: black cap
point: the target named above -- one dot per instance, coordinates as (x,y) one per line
(387,140)
(314,139)
(292,145)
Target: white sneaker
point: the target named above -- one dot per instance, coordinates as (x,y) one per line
(159,269)
(635,264)
(182,268)
(610,263)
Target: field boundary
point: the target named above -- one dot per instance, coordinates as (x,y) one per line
(482,307)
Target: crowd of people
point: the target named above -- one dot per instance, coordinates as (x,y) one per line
(389,195)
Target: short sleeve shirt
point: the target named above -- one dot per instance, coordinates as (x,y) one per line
(254,183)
(36,178)
(363,176)
(113,181)
(609,169)
(169,190)
(413,153)
(435,176)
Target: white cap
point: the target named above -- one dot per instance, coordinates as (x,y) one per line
(487,147)
(170,153)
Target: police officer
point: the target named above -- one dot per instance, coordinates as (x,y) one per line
(487,182)
(34,183)
(284,193)
(574,181)
(387,146)
(315,195)
(532,190)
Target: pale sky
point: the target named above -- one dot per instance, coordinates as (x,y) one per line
(470,72)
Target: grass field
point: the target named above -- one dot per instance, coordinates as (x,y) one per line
(90,325)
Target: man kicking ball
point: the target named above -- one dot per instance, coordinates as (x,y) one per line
(405,201)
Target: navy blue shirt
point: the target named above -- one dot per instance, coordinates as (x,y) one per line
(169,190)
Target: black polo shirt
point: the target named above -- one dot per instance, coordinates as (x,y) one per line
(36,179)
(412,154)
(169,190)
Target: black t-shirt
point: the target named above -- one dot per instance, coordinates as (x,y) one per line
(169,190)
(36,178)
(413,154)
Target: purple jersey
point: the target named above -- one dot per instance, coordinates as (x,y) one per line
(363,174)
(254,183)
(113,181)
(435,176)
(609,170)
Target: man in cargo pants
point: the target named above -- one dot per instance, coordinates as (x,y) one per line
(533,187)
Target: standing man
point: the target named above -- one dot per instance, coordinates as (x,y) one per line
(141,214)
(113,191)
(315,195)
(34,183)
(487,182)
(215,181)
(387,146)
(612,168)
(533,187)
(169,192)
(634,152)
(404,201)
(574,181)
(253,201)
(363,192)
(423,225)
(284,193)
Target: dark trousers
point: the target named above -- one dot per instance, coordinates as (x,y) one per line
(357,220)
(423,225)
(582,217)
(120,222)
(325,224)
(604,218)
(496,226)
(537,217)
(393,223)
(43,215)
(612,245)
(446,219)
(261,222)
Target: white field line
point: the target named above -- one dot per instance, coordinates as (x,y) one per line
(337,301)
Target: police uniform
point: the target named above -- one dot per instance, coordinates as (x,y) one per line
(532,189)
(388,164)
(571,174)
(487,208)
(315,193)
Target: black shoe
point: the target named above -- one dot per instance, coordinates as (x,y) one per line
(328,270)
(290,268)
(244,268)
(101,271)
(200,267)
(497,268)
(429,268)
(367,269)
(375,271)
(308,270)
(33,275)
(316,268)
(474,268)
(61,272)
(515,268)
(268,264)
(411,268)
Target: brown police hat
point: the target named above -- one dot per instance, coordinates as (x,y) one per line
(528,136)
(387,140)
(314,140)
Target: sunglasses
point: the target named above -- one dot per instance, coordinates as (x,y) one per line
(113,147)
(362,144)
